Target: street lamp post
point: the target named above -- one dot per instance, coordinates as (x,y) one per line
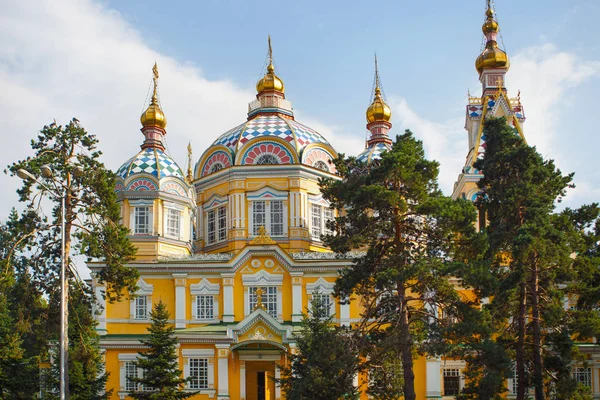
(64,319)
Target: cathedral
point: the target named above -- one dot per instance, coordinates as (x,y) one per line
(233,244)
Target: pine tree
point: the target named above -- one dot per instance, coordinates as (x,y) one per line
(31,260)
(161,375)
(529,259)
(326,362)
(394,209)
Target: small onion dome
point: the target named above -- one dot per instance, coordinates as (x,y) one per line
(378,110)
(153,116)
(270,81)
(492,57)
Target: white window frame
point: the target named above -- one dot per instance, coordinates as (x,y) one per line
(268,195)
(209,356)
(318,204)
(263,279)
(125,360)
(205,288)
(172,215)
(452,372)
(586,373)
(218,215)
(133,206)
(322,287)
(269,299)
(145,290)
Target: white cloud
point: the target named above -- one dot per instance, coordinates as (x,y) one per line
(545,76)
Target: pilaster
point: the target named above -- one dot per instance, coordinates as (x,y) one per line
(296,296)
(223,371)
(228,310)
(433,379)
(179,281)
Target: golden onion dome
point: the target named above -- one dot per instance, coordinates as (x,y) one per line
(153,116)
(492,57)
(270,81)
(378,110)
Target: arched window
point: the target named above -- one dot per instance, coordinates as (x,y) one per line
(267,159)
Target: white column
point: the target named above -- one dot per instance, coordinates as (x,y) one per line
(228,311)
(242,380)
(433,370)
(277,388)
(101,308)
(223,370)
(296,296)
(180,300)
(345,314)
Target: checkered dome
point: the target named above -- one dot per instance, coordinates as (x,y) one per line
(372,152)
(151,161)
(269,126)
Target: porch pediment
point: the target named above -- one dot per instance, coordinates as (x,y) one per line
(260,325)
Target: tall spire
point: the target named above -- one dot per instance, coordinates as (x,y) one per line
(378,114)
(189,177)
(270,82)
(153,119)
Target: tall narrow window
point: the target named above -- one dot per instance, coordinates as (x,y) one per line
(316,221)
(141,223)
(451,381)
(204,307)
(211,227)
(222,224)
(130,372)
(173,222)
(198,373)
(269,299)
(324,303)
(259,215)
(141,307)
(328,214)
(276,218)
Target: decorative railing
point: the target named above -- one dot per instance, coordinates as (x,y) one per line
(267,101)
(199,257)
(320,255)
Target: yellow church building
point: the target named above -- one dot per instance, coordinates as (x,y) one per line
(243,226)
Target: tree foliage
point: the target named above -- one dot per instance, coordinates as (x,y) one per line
(531,258)
(411,232)
(326,362)
(160,364)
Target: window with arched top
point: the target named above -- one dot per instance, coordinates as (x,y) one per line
(215,168)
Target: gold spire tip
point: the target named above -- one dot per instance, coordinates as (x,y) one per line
(155,80)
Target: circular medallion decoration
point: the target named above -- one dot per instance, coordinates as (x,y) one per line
(142,184)
(269,263)
(255,263)
(267,153)
(320,159)
(216,162)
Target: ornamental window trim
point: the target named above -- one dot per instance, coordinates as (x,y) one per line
(144,291)
(134,206)
(208,357)
(205,289)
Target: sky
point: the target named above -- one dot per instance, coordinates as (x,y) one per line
(92,60)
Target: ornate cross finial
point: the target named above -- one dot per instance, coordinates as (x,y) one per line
(270,52)
(155,79)
(259,294)
(376,72)
(189,177)
(262,237)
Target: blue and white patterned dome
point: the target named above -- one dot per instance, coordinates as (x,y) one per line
(293,132)
(372,152)
(151,161)
(267,139)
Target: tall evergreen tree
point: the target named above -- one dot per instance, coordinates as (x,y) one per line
(529,258)
(326,362)
(161,378)
(31,260)
(394,209)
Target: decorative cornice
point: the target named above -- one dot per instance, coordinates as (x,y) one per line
(322,255)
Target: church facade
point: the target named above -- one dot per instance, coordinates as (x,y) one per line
(233,245)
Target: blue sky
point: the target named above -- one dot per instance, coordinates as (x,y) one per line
(93,59)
